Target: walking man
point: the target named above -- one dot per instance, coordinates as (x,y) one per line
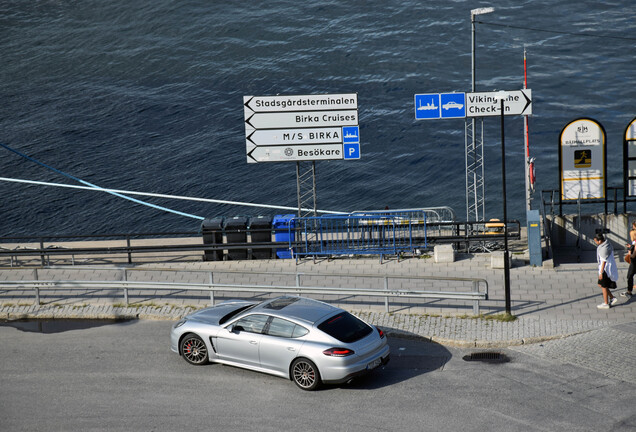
(607,270)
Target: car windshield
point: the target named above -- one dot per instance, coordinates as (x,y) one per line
(234,313)
(345,327)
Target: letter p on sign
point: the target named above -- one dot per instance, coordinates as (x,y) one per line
(352,151)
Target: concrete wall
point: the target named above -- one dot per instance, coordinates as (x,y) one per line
(565,232)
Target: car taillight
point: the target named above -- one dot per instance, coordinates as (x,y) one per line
(381,332)
(338,352)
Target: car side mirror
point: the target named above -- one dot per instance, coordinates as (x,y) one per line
(236,329)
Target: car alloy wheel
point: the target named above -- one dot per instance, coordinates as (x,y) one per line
(305,374)
(194,350)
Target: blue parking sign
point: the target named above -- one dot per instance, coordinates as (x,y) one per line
(453,105)
(427,106)
(351,151)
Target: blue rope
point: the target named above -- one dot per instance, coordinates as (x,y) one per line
(97,187)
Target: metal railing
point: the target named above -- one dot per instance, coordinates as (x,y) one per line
(121,248)
(547,230)
(478,287)
(432,214)
(384,234)
(614,196)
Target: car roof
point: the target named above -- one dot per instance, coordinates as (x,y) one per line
(299,308)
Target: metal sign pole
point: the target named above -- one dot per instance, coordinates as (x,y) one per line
(306,190)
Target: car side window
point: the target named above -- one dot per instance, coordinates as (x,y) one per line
(280,327)
(283,328)
(299,331)
(252,323)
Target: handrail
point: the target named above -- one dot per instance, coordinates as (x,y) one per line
(611,191)
(476,296)
(434,214)
(547,230)
(479,287)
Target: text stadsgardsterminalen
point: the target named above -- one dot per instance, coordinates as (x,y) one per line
(284,103)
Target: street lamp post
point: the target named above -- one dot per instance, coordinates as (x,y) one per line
(502,96)
(473,14)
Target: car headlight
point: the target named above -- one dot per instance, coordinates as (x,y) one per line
(179,323)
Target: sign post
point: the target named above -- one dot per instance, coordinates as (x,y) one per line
(582,160)
(302,128)
(629,160)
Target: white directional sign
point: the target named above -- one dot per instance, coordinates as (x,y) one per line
(295,153)
(305,119)
(300,103)
(517,102)
(301,128)
(294,136)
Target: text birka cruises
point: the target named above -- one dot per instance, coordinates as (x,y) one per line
(307,119)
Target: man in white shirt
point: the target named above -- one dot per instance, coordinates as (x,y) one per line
(607,270)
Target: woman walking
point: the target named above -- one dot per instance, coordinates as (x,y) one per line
(632,263)
(607,270)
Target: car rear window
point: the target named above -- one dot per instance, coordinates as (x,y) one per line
(345,327)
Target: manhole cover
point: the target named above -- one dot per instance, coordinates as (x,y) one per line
(488,357)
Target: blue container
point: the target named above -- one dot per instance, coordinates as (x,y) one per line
(282,225)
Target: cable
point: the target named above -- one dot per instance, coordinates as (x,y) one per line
(92,186)
(557,32)
(40,183)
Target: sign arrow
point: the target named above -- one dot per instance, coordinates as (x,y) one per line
(528,100)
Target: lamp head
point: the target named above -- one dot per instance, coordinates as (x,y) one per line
(481,11)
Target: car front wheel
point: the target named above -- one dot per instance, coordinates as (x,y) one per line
(194,350)
(305,374)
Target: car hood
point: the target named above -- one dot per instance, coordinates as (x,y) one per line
(213,314)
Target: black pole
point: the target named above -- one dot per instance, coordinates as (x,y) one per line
(505,212)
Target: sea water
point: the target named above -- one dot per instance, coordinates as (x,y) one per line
(148,96)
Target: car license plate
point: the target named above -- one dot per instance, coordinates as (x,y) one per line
(374,364)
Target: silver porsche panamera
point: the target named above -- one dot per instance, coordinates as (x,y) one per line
(305,340)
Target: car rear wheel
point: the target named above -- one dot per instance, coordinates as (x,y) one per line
(305,374)
(194,350)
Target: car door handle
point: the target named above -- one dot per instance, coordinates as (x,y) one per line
(291,349)
(253,342)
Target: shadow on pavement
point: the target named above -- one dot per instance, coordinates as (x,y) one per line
(409,358)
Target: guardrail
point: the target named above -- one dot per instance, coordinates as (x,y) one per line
(462,234)
(474,295)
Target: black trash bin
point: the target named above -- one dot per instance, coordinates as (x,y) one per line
(236,232)
(212,230)
(261,232)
